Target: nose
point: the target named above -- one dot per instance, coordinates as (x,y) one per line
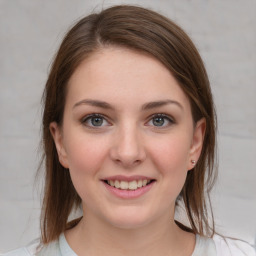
(127,147)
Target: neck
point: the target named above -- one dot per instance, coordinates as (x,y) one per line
(95,237)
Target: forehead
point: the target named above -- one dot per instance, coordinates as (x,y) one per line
(122,74)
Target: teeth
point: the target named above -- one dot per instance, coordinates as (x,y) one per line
(139,184)
(124,184)
(117,184)
(132,185)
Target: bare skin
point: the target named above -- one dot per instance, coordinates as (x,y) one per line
(87,239)
(127,134)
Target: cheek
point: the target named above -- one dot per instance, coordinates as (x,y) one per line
(171,154)
(85,158)
(85,155)
(171,159)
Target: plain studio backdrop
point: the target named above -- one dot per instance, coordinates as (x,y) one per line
(30,33)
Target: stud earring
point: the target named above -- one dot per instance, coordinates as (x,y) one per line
(193,162)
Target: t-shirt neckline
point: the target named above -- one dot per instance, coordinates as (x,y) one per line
(203,245)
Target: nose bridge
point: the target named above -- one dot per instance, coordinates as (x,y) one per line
(128,148)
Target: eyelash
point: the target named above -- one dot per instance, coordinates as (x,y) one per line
(89,117)
(95,115)
(165,117)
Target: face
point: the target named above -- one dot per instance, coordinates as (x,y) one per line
(127,137)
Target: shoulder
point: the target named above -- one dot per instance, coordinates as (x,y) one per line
(35,249)
(18,252)
(30,250)
(232,247)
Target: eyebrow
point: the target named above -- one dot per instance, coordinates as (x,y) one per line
(146,106)
(95,103)
(156,104)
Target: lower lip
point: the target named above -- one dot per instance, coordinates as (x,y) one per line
(129,194)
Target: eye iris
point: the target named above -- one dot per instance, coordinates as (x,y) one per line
(96,121)
(158,121)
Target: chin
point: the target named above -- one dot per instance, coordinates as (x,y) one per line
(129,219)
(129,224)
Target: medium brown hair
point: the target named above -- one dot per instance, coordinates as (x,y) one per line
(145,31)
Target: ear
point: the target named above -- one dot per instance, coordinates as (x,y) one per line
(58,140)
(197,142)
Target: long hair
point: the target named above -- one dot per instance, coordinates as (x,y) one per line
(145,31)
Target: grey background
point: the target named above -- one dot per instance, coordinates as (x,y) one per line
(30,32)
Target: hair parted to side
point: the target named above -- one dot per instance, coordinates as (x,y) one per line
(148,32)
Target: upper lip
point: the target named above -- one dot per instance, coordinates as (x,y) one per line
(128,178)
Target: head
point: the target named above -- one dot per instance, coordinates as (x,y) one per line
(143,32)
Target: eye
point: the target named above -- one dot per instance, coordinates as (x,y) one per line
(160,120)
(95,120)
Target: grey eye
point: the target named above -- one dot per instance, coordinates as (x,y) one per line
(161,121)
(96,121)
(158,121)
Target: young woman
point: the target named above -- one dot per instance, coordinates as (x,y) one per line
(129,136)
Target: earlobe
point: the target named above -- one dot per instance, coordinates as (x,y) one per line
(197,143)
(57,137)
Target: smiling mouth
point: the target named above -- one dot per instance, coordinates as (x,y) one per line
(128,185)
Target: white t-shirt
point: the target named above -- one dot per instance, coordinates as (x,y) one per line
(217,246)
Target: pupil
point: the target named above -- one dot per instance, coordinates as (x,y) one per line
(158,121)
(97,121)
